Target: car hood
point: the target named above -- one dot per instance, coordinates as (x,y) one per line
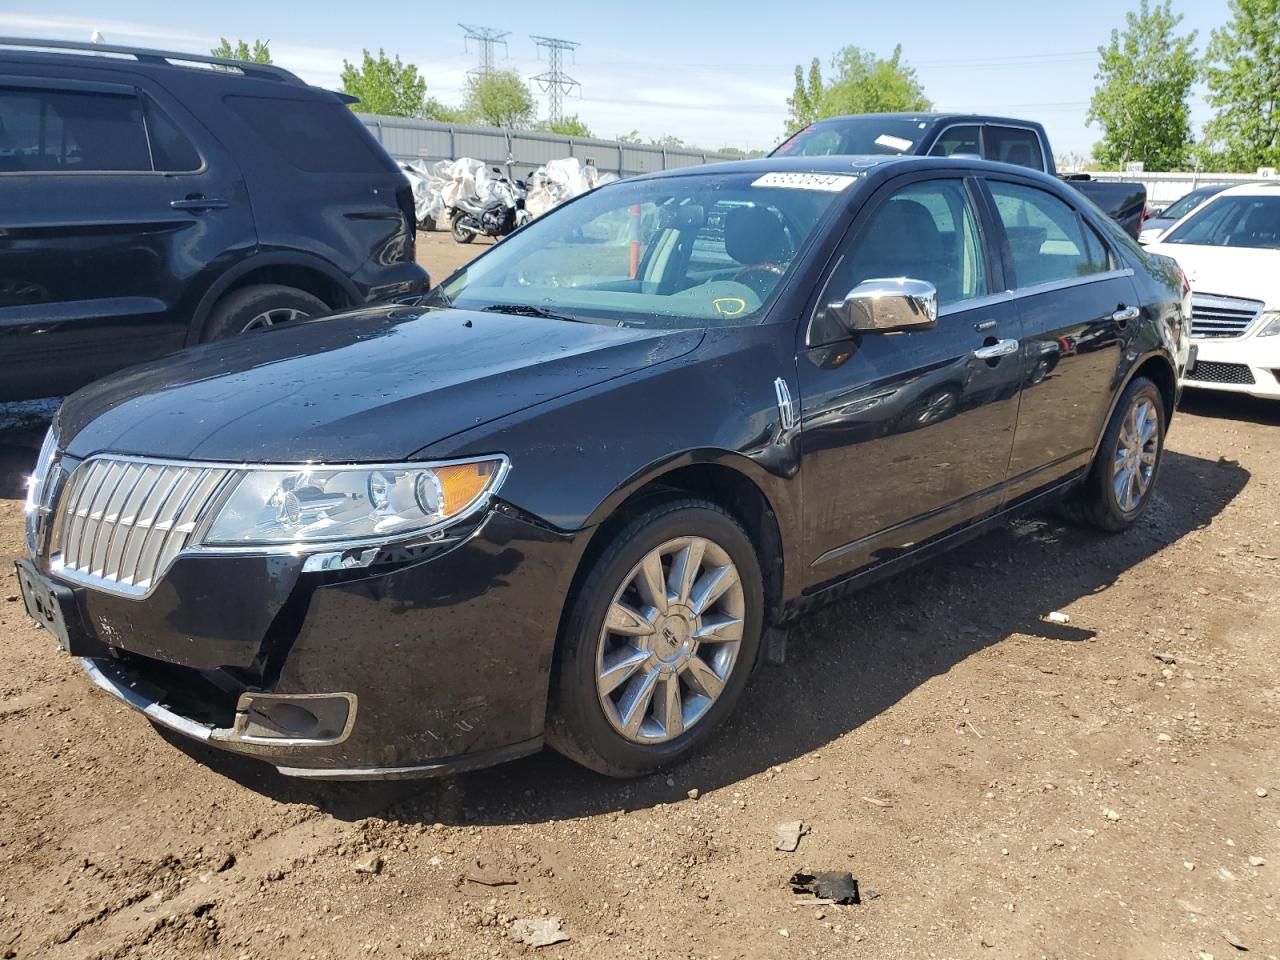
(370,385)
(1228,271)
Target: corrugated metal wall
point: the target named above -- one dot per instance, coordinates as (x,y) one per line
(1164,188)
(407,139)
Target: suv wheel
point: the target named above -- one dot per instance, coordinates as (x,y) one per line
(660,640)
(258,307)
(1118,488)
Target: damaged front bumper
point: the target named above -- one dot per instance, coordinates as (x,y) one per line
(423,663)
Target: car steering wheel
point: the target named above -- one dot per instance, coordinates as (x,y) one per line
(752,269)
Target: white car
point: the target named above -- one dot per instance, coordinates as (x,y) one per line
(1229,248)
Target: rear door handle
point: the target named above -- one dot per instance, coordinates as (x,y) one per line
(1125,314)
(1001,348)
(199,203)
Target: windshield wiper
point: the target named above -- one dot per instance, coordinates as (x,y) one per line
(529,310)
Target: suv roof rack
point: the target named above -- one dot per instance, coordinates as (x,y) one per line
(162,57)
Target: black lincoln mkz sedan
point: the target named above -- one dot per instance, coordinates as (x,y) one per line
(565,496)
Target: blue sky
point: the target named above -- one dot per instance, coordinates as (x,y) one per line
(711,73)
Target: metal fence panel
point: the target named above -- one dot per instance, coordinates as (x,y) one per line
(407,139)
(1164,188)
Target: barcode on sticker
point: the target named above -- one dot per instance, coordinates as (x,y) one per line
(831,182)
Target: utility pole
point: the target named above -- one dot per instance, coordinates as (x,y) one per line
(486,39)
(555,83)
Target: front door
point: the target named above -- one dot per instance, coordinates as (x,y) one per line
(907,436)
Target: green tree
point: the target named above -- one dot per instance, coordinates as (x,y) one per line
(632,137)
(500,98)
(1242,74)
(1144,79)
(568,127)
(242,51)
(859,82)
(669,142)
(387,86)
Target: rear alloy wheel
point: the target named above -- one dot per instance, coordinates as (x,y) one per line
(661,637)
(260,307)
(1121,482)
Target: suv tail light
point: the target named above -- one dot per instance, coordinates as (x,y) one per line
(404,199)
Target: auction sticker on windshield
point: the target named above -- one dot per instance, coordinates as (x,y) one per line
(892,142)
(831,182)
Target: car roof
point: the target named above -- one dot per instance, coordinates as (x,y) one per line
(1262,188)
(932,117)
(140,59)
(850,164)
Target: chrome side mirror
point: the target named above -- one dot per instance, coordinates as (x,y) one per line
(886,305)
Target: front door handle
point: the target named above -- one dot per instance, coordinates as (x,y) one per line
(199,203)
(1125,314)
(994,351)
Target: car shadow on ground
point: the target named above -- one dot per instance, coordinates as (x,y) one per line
(1229,406)
(846,665)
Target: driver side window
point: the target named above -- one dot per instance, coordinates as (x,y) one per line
(925,231)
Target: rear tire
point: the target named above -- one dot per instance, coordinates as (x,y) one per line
(1120,485)
(259,306)
(460,235)
(624,702)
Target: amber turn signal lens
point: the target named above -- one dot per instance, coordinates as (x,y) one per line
(463,482)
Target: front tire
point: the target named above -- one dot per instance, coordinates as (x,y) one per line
(659,642)
(1120,485)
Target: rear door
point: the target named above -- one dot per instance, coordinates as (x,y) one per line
(1077,302)
(110,214)
(907,436)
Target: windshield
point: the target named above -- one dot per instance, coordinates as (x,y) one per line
(1235,221)
(855,135)
(678,252)
(1180,208)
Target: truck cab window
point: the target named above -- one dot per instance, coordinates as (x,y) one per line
(1014,145)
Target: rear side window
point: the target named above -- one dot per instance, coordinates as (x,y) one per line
(171,151)
(312,135)
(71,131)
(957,140)
(1014,145)
(1047,239)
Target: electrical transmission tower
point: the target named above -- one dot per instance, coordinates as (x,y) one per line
(555,83)
(486,39)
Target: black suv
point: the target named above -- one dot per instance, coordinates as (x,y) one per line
(152,200)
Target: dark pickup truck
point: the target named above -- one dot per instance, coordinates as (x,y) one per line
(1003,139)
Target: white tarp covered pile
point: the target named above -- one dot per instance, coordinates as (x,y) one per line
(438,186)
(561,180)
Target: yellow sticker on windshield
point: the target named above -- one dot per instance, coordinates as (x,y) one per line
(729,306)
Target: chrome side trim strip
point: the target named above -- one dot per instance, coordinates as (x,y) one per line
(116,683)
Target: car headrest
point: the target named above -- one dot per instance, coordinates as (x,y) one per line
(755,235)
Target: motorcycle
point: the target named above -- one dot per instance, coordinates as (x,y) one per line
(502,212)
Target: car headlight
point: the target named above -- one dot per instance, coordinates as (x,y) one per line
(318,504)
(1270,324)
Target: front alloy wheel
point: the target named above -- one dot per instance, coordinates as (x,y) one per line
(658,641)
(670,640)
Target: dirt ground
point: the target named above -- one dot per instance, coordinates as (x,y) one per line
(1007,786)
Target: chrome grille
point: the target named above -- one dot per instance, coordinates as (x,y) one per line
(1213,316)
(122,521)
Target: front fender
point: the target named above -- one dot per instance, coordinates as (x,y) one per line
(575,459)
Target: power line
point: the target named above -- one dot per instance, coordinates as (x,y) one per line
(555,83)
(486,39)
